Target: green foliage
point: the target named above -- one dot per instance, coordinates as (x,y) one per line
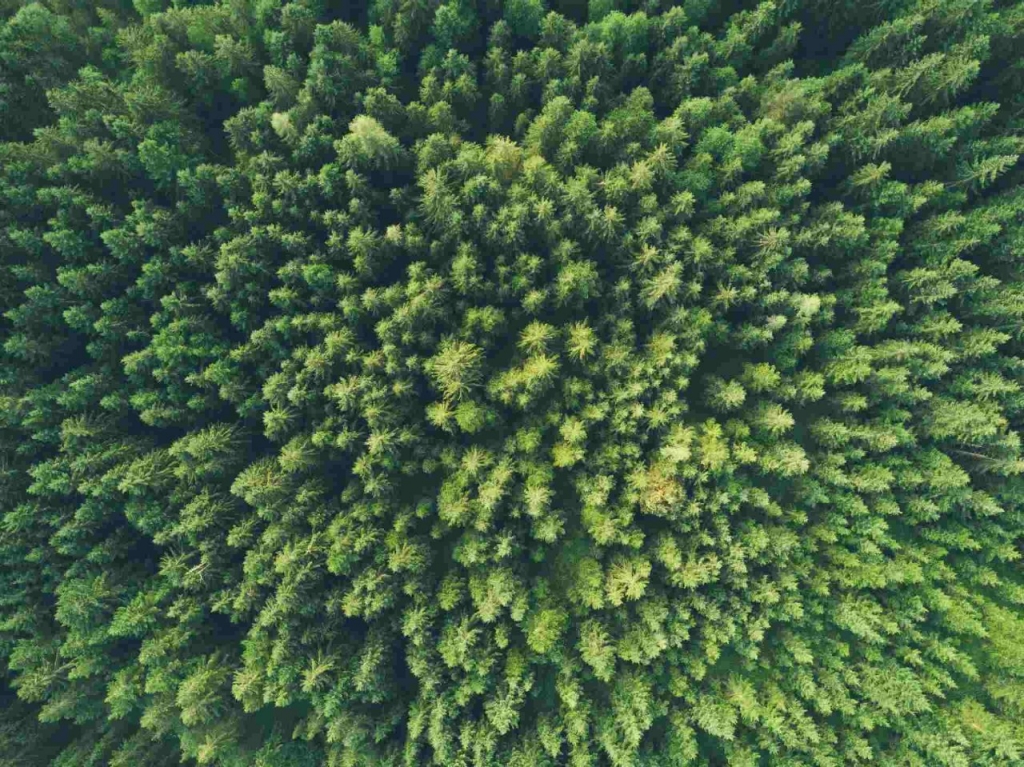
(509,382)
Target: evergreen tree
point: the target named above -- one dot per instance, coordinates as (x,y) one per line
(511,382)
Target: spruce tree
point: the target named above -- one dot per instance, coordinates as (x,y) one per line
(511,382)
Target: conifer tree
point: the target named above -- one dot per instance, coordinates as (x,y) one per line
(511,382)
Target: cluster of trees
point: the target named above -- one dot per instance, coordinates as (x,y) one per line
(625,383)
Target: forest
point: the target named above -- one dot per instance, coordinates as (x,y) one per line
(511,383)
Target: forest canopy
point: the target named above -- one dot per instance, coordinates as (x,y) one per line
(511,383)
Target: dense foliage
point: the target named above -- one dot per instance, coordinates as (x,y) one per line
(511,382)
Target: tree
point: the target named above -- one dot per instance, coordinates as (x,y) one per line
(501,382)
